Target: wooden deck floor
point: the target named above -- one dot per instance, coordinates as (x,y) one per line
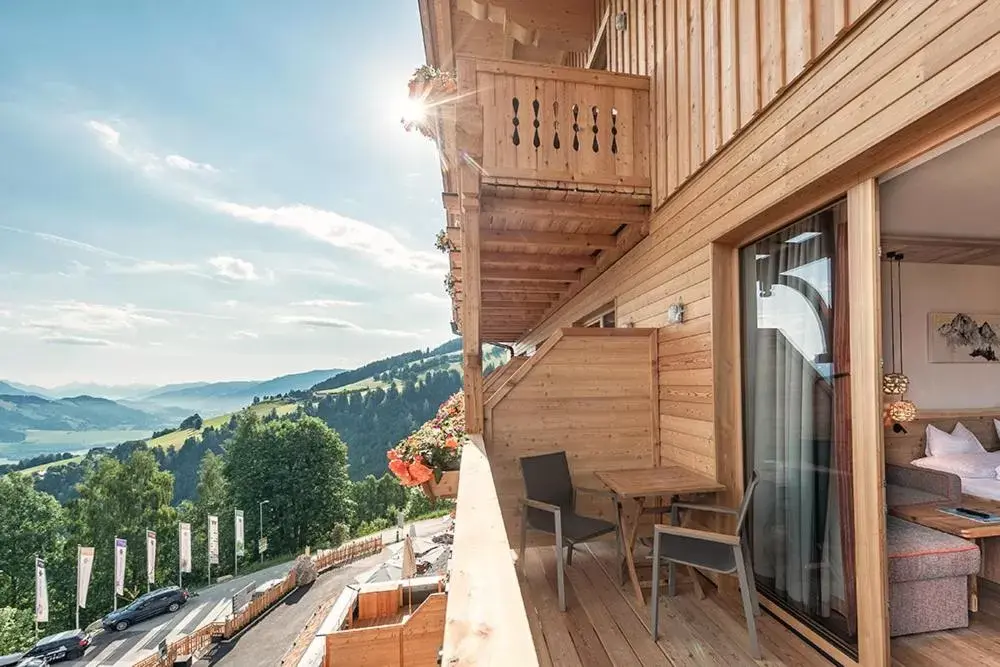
(975,646)
(605,627)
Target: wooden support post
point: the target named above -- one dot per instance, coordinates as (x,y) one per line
(472,317)
(866,424)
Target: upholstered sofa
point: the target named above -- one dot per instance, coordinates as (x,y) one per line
(928,570)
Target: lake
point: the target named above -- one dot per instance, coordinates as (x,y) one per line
(37,443)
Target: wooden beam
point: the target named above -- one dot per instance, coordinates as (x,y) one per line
(517,297)
(540,258)
(547,239)
(866,424)
(530,275)
(599,35)
(565,209)
(523,287)
(471,324)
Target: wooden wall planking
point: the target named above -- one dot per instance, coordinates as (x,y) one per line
(715,64)
(901,448)
(808,148)
(589,393)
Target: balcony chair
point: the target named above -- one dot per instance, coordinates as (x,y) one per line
(718,552)
(549,506)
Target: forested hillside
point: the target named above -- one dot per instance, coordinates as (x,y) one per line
(372,422)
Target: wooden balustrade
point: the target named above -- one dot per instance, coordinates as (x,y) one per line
(485,623)
(563,124)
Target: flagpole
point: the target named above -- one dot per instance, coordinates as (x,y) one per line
(79,548)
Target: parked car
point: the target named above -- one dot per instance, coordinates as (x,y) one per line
(68,645)
(154,603)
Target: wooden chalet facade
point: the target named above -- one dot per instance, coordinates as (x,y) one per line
(618,157)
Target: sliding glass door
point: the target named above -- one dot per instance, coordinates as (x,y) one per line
(796,419)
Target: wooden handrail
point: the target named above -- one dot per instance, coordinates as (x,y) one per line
(486,622)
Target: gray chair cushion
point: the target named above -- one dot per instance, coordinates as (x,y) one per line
(576,528)
(703,553)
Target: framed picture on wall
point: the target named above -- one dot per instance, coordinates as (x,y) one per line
(963,338)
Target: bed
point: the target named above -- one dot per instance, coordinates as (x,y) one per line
(957,446)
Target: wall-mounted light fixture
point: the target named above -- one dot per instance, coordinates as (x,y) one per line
(621,21)
(675,313)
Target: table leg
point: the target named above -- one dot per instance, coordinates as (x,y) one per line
(622,545)
(630,550)
(973,592)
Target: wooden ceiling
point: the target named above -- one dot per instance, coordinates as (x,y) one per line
(538,246)
(940,250)
(543,31)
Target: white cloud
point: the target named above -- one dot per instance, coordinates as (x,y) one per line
(108,135)
(240,335)
(233,268)
(325,303)
(335,323)
(77,340)
(147,267)
(230,303)
(148,162)
(338,231)
(76,270)
(81,317)
(181,162)
(427,297)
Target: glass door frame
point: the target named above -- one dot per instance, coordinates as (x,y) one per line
(868,464)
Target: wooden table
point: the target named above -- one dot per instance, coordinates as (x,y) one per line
(638,484)
(983,534)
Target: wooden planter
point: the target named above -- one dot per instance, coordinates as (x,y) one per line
(446,488)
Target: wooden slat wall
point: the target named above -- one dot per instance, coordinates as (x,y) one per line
(901,448)
(590,396)
(716,63)
(904,61)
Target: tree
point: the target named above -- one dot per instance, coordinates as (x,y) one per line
(31,524)
(212,498)
(124,500)
(194,421)
(301,468)
(16,630)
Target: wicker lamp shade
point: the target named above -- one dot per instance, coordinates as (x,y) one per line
(902,411)
(895,383)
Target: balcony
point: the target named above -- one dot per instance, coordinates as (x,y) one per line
(554,169)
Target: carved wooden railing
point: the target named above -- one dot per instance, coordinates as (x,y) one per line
(563,124)
(485,623)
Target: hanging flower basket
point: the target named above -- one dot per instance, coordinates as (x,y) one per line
(430,88)
(430,456)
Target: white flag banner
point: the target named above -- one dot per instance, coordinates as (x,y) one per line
(213,540)
(41,593)
(151,556)
(184,544)
(120,548)
(238,527)
(84,566)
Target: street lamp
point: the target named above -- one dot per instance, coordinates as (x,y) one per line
(260,526)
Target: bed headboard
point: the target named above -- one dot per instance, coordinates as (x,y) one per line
(901,448)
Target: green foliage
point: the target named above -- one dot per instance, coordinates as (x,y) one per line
(194,421)
(17,630)
(124,499)
(340,533)
(374,421)
(377,498)
(387,364)
(32,524)
(374,526)
(300,466)
(212,498)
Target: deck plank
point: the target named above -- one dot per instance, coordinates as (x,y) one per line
(559,643)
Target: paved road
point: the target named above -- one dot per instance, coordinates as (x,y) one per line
(264,644)
(279,627)
(141,640)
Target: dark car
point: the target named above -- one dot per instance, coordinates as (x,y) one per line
(68,645)
(151,604)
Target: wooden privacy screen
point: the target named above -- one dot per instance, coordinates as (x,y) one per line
(414,642)
(901,448)
(589,392)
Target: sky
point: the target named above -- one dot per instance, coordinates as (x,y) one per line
(198,190)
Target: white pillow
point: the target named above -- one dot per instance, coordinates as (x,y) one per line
(942,443)
(967,466)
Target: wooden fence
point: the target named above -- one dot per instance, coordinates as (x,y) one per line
(201,638)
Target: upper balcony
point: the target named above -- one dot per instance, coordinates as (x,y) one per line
(555,163)
(559,127)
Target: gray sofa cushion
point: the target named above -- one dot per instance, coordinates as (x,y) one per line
(918,553)
(897,496)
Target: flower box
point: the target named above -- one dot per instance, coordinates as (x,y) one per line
(446,487)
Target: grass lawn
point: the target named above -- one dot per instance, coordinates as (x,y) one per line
(53,464)
(177,438)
